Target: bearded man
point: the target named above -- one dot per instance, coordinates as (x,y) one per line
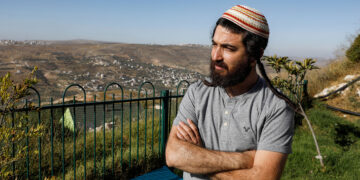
(235,125)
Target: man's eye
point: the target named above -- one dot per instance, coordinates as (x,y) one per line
(230,49)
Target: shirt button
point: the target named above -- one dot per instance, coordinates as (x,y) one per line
(226,112)
(225,123)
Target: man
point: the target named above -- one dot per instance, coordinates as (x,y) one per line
(235,125)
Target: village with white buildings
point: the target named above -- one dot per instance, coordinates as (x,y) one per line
(131,74)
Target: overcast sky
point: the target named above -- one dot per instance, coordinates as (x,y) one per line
(298,28)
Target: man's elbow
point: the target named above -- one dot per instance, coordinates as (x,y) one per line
(262,174)
(170,157)
(169,161)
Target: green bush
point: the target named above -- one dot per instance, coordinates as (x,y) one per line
(353,53)
(14,128)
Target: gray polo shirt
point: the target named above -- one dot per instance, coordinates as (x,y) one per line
(257,119)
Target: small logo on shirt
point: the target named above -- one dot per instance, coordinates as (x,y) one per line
(246,128)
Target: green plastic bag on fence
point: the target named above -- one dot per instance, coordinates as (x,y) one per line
(69,121)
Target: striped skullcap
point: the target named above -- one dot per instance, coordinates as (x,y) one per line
(249,19)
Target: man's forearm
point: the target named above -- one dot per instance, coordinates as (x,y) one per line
(195,159)
(247,174)
(267,165)
(236,174)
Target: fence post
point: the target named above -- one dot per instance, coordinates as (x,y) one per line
(306,100)
(165,122)
(305,88)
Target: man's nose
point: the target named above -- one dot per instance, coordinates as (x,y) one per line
(217,54)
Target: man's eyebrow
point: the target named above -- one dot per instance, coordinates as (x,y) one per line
(225,45)
(228,46)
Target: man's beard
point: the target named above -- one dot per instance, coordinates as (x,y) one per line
(230,79)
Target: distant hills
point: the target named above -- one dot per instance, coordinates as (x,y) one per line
(94,64)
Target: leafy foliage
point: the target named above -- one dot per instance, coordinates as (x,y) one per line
(14,128)
(296,71)
(353,53)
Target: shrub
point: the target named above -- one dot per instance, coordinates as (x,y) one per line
(296,72)
(353,53)
(14,128)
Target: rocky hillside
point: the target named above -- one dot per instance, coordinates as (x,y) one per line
(348,99)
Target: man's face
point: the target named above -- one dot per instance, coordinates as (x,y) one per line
(229,61)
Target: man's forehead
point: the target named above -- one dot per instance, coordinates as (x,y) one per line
(225,35)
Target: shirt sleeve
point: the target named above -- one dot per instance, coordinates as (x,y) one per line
(278,129)
(187,106)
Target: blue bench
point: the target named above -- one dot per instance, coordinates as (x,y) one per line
(161,173)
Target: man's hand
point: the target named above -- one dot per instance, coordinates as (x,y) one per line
(189,133)
(195,159)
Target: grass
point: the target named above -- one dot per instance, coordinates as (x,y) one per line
(339,144)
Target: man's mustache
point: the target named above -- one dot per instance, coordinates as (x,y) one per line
(219,63)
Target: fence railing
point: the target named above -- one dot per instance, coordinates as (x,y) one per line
(93,139)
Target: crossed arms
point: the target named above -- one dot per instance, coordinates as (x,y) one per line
(184,151)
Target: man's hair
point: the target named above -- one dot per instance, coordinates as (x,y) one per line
(254,47)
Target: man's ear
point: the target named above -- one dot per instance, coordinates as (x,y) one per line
(253,61)
(262,52)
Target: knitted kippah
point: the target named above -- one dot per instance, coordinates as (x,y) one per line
(249,19)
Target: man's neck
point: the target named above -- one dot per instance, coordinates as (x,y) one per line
(244,86)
